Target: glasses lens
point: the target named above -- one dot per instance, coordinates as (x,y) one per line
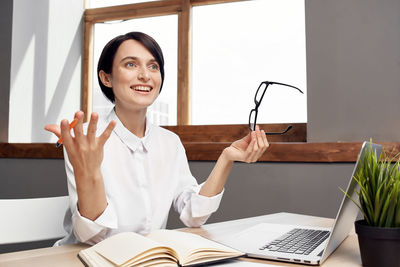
(260,92)
(252,120)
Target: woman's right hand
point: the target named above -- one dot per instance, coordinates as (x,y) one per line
(85,153)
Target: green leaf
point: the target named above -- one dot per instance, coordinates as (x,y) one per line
(362,210)
(389,221)
(379,188)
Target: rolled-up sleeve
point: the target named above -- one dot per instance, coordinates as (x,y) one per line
(202,205)
(92,232)
(194,209)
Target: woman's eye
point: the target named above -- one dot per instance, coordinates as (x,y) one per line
(154,67)
(130,64)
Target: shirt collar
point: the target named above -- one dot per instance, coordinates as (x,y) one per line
(127,137)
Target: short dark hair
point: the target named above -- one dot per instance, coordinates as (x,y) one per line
(110,49)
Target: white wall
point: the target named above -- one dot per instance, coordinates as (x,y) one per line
(45,66)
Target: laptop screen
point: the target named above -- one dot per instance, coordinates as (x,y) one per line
(348,212)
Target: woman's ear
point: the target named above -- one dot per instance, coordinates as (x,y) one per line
(105,78)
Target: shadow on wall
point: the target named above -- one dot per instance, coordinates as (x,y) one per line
(41,63)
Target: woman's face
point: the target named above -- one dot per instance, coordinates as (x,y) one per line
(135,77)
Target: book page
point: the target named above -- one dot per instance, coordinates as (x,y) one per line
(94,259)
(129,246)
(191,246)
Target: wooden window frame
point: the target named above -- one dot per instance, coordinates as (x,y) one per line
(205,142)
(200,151)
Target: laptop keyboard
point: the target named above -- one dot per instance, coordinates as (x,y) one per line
(298,241)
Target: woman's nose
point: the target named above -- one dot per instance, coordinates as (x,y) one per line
(143,74)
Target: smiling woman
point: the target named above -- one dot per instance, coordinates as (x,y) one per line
(107,158)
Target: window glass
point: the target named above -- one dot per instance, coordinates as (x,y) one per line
(164,30)
(238,45)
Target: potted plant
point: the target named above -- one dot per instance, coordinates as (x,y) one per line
(379,201)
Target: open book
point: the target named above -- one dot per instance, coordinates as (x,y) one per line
(159,248)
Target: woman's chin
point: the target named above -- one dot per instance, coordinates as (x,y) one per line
(145,103)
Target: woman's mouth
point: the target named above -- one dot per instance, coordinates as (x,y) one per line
(141,88)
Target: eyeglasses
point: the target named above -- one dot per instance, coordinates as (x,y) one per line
(262,88)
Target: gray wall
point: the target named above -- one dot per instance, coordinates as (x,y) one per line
(353,70)
(263,188)
(6,12)
(32,178)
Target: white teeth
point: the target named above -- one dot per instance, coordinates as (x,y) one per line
(142,88)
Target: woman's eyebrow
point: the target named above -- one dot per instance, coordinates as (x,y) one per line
(138,59)
(129,57)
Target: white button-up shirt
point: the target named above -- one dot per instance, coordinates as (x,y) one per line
(143,177)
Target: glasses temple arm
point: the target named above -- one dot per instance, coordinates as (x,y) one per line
(287,85)
(279,133)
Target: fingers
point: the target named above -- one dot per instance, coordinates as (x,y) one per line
(260,140)
(256,148)
(265,140)
(107,132)
(250,148)
(78,129)
(53,128)
(259,145)
(92,128)
(247,138)
(65,132)
(262,144)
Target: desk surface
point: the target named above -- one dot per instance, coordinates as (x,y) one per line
(347,254)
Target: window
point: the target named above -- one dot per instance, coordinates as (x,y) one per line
(192,18)
(46,62)
(43,72)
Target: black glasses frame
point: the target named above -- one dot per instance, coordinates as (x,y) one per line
(252,126)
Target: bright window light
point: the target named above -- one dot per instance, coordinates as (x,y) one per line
(238,45)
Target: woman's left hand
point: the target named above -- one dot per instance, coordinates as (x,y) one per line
(248,149)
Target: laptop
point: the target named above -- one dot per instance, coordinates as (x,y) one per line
(302,244)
